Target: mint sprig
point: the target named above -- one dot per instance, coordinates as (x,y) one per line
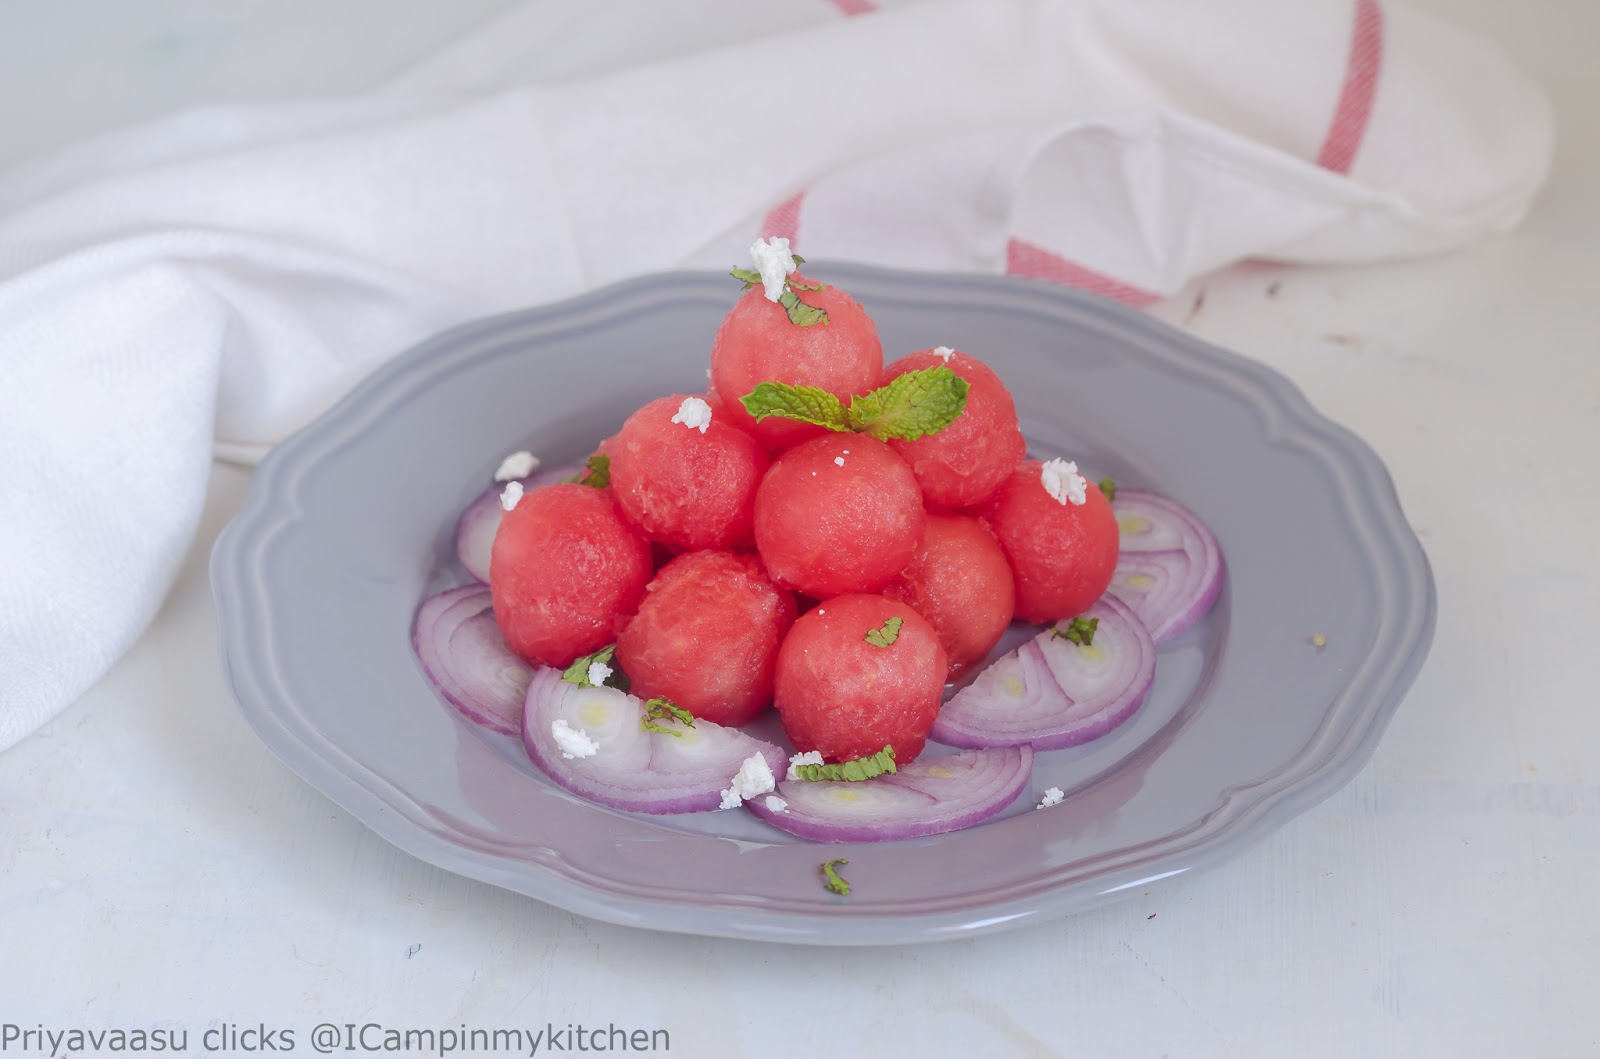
(910,406)
(861,768)
(832,879)
(808,404)
(799,312)
(885,634)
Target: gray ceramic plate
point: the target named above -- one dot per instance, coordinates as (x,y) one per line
(348,525)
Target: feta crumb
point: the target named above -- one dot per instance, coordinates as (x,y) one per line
(847,452)
(944,353)
(1063,482)
(838,461)
(1052,796)
(810,757)
(754,777)
(516,465)
(776,804)
(598,673)
(774,261)
(574,742)
(694,414)
(510,495)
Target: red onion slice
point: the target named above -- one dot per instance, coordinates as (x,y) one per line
(478,524)
(632,769)
(927,797)
(461,651)
(1052,693)
(1169,569)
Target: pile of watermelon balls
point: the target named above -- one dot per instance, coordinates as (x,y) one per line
(829,536)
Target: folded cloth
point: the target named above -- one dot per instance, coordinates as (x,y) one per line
(209,282)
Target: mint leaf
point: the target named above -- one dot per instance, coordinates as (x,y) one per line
(798,260)
(832,879)
(799,312)
(749,276)
(885,634)
(578,672)
(1109,488)
(598,474)
(911,405)
(862,768)
(1079,631)
(661,710)
(808,404)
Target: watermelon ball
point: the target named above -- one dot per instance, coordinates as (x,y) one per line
(565,568)
(960,581)
(684,476)
(758,343)
(1062,552)
(706,636)
(963,464)
(848,698)
(840,513)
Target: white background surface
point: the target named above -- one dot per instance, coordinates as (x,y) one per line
(161,868)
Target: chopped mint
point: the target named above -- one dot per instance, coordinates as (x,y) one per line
(578,672)
(808,404)
(1109,488)
(1079,631)
(861,768)
(748,276)
(911,405)
(832,879)
(661,710)
(885,634)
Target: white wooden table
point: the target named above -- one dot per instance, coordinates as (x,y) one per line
(162,870)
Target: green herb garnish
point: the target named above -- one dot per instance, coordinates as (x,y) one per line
(909,406)
(661,710)
(862,768)
(596,473)
(799,312)
(885,634)
(1079,631)
(578,672)
(1109,488)
(832,879)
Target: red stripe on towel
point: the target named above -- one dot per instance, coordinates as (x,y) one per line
(1035,262)
(1354,111)
(854,7)
(783,219)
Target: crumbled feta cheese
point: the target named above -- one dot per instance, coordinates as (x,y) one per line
(944,353)
(774,261)
(839,461)
(754,777)
(1052,796)
(574,742)
(776,804)
(810,757)
(694,414)
(516,465)
(847,452)
(598,673)
(510,495)
(1063,482)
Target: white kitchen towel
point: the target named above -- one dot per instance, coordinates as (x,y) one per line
(209,282)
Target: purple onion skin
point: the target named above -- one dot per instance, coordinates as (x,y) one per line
(1201,556)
